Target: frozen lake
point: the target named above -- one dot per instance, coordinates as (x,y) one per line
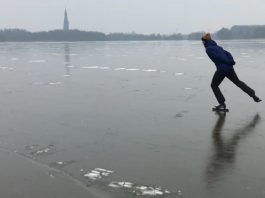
(129,119)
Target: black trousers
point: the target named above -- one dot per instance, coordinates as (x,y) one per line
(231,75)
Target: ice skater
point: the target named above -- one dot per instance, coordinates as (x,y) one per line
(224,63)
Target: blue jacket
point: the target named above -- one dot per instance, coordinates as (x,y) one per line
(222,59)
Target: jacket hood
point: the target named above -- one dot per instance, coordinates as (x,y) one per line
(209,43)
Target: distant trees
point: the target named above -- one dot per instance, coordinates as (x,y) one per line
(14,35)
(77,35)
(236,32)
(224,34)
(55,35)
(142,37)
(242,32)
(195,36)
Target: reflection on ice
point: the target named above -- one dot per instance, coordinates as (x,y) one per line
(224,150)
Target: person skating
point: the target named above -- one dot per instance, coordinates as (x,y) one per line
(224,63)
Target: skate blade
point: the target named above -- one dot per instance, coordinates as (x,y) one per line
(220,110)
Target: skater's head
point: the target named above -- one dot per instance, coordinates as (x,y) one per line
(206,37)
(207,40)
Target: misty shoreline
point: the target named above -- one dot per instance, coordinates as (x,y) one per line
(234,33)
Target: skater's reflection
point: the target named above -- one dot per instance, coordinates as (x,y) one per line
(223,155)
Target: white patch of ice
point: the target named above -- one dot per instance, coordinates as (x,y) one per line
(54,83)
(188,88)
(38,83)
(152,191)
(55,54)
(51,175)
(67,75)
(149,70)
(179,192)
(121,68)
(90,67)
(104,170)
(200,58)
(98,173)
(141,187)
(139,190)
(7,68)
(121,184)
(14,59)
(104,68)
(136,69)
(179,74)
(37,61)
(182,59)
(126,184)
(114,185)
(93,175)
(46,150)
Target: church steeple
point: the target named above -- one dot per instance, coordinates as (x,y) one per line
(66,22)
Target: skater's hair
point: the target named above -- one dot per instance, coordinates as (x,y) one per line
(206,37)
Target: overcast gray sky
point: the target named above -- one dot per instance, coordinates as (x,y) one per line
(141,16)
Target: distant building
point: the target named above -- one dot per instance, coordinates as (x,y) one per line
(66,21)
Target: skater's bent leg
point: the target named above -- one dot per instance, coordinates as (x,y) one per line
(216,81)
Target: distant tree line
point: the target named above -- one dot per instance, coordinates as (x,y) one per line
(241,32)
(236,32)
(77,35)
(55,35)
